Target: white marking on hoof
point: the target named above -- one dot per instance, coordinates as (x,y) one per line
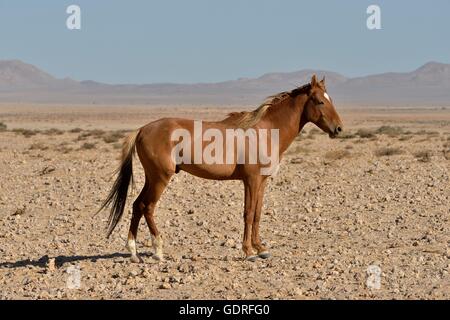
(132,246)
(251,258)
(264,255)
(157,246)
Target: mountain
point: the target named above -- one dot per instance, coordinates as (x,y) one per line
(16,75)
(429,84)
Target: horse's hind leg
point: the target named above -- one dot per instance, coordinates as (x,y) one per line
(138,207)
(157,186)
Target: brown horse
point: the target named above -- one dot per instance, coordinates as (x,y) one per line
(286,113)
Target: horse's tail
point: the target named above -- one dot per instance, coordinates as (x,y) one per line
(118,194)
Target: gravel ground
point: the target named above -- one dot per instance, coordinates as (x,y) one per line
(338,212)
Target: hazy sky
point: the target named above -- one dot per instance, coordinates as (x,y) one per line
(144,41)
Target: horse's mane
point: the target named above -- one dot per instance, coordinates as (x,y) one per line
(247,119)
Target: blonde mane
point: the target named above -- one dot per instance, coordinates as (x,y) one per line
(247,119)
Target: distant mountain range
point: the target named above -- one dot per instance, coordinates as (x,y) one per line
(427,85)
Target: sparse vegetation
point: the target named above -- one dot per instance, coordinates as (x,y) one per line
(113,137)
(47,170)
(426,132)
(3,127)
(388,151)
(423,156)
(38,146)
(347,135)
(53,132)
(298,149)
(76,130)
(63,147)
(405,138)
(91,133)
(390,131)
(337,154)
(25,132)
(365,133)
(88,146)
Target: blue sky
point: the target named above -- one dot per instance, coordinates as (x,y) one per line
(145,41)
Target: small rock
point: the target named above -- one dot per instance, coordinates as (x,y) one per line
(165,286)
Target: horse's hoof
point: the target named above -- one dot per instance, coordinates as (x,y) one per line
(251,258)
(264,255)
(136,259)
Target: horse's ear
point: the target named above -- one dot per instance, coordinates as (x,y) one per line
(313,81)
(322,82)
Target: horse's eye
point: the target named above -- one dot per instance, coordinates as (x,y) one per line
(321,102)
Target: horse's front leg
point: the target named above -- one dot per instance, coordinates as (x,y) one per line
(251,195)
(256,241)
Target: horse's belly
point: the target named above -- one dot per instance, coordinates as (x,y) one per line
(211,171)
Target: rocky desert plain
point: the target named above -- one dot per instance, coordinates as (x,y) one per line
(378,197)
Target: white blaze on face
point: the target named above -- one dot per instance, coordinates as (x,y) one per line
(327,96)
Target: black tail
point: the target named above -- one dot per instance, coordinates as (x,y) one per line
(118,194)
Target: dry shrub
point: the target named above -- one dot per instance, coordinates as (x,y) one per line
(76,130)
(3,127)
(113,137)
(423,156)
(53,132)
(404,138)
(390,131)
(388,151)
(47,170)
(365,133)
(426,132)
(25,132)
(63,147)
(38,146)
(298,149)
(88,146)
(347,135)
(337,155)
(91,133)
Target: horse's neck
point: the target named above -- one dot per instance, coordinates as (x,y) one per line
(287,118)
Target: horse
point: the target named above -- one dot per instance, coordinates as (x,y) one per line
(287,113)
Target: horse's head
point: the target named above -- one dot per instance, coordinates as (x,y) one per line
(319,109)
